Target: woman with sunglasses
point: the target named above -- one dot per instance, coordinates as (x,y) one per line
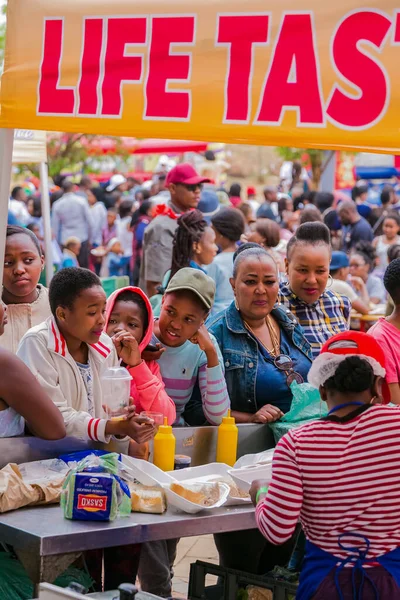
(263,347)
(321,312)
(343,475)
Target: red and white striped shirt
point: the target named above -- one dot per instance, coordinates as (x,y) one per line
(337,477)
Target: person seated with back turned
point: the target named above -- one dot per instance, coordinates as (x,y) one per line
(339,476)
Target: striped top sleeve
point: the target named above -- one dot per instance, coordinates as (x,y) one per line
(214,394)
(278,514)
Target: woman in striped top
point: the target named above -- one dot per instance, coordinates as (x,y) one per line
(340,476)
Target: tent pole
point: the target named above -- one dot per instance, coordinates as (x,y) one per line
(6,152)
(44,186)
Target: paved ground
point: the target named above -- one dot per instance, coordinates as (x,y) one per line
(190,550)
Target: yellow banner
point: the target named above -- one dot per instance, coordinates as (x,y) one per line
(285,72)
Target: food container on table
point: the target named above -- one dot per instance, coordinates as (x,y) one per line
(244,477)
(182,504)
(145,472)
(211,473)
(116,387)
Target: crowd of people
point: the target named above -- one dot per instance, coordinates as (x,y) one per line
(230,301)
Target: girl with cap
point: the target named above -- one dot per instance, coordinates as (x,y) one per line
(340,477)
(320,312)
(341,280)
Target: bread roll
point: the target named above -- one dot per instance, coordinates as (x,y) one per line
(205,494)
(147,499)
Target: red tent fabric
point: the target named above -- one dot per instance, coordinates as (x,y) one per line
(149,146)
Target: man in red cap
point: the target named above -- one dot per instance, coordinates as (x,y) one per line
(184,184)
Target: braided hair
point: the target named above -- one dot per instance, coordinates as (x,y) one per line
(191,228)
(353,375)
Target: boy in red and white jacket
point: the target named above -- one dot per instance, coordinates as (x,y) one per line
(69,352)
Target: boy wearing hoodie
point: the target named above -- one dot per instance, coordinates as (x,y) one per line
(129,310)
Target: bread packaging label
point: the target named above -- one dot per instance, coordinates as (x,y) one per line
(91,497)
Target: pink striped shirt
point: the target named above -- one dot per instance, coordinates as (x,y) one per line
(337,477)
(182,367)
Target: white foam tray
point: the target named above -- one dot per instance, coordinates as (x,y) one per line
(207,474)
(244,477)
(148,474)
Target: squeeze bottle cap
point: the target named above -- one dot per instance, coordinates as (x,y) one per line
(165,428)
(228,420)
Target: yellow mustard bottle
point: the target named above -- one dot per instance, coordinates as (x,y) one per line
(164,447)
(227,441)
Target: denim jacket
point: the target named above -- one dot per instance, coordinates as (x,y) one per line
(241,355)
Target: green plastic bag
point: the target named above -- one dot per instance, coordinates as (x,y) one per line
(306,407)
(16,585)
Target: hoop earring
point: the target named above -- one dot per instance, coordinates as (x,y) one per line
(236,304)
(330,279)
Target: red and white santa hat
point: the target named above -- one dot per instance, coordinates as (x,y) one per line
(338,348)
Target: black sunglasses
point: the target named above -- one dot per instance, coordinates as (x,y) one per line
(285,363)
(192,187)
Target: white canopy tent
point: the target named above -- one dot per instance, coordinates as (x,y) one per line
(29,147)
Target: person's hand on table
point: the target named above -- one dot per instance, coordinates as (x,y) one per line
(267,414)
(258,490)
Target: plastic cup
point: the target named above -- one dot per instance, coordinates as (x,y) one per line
(157,418)
(116,386)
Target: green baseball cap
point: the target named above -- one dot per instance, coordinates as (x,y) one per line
(195,281)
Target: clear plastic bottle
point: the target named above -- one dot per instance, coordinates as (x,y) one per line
(227,441)
(164,447)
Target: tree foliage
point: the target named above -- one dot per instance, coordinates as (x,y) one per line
(67,153)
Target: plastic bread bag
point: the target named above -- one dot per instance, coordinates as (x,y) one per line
(306,406)
(93,491)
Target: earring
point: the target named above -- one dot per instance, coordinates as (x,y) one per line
(330,279)
(236,304)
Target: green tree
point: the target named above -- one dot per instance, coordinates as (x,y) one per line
(65,152)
